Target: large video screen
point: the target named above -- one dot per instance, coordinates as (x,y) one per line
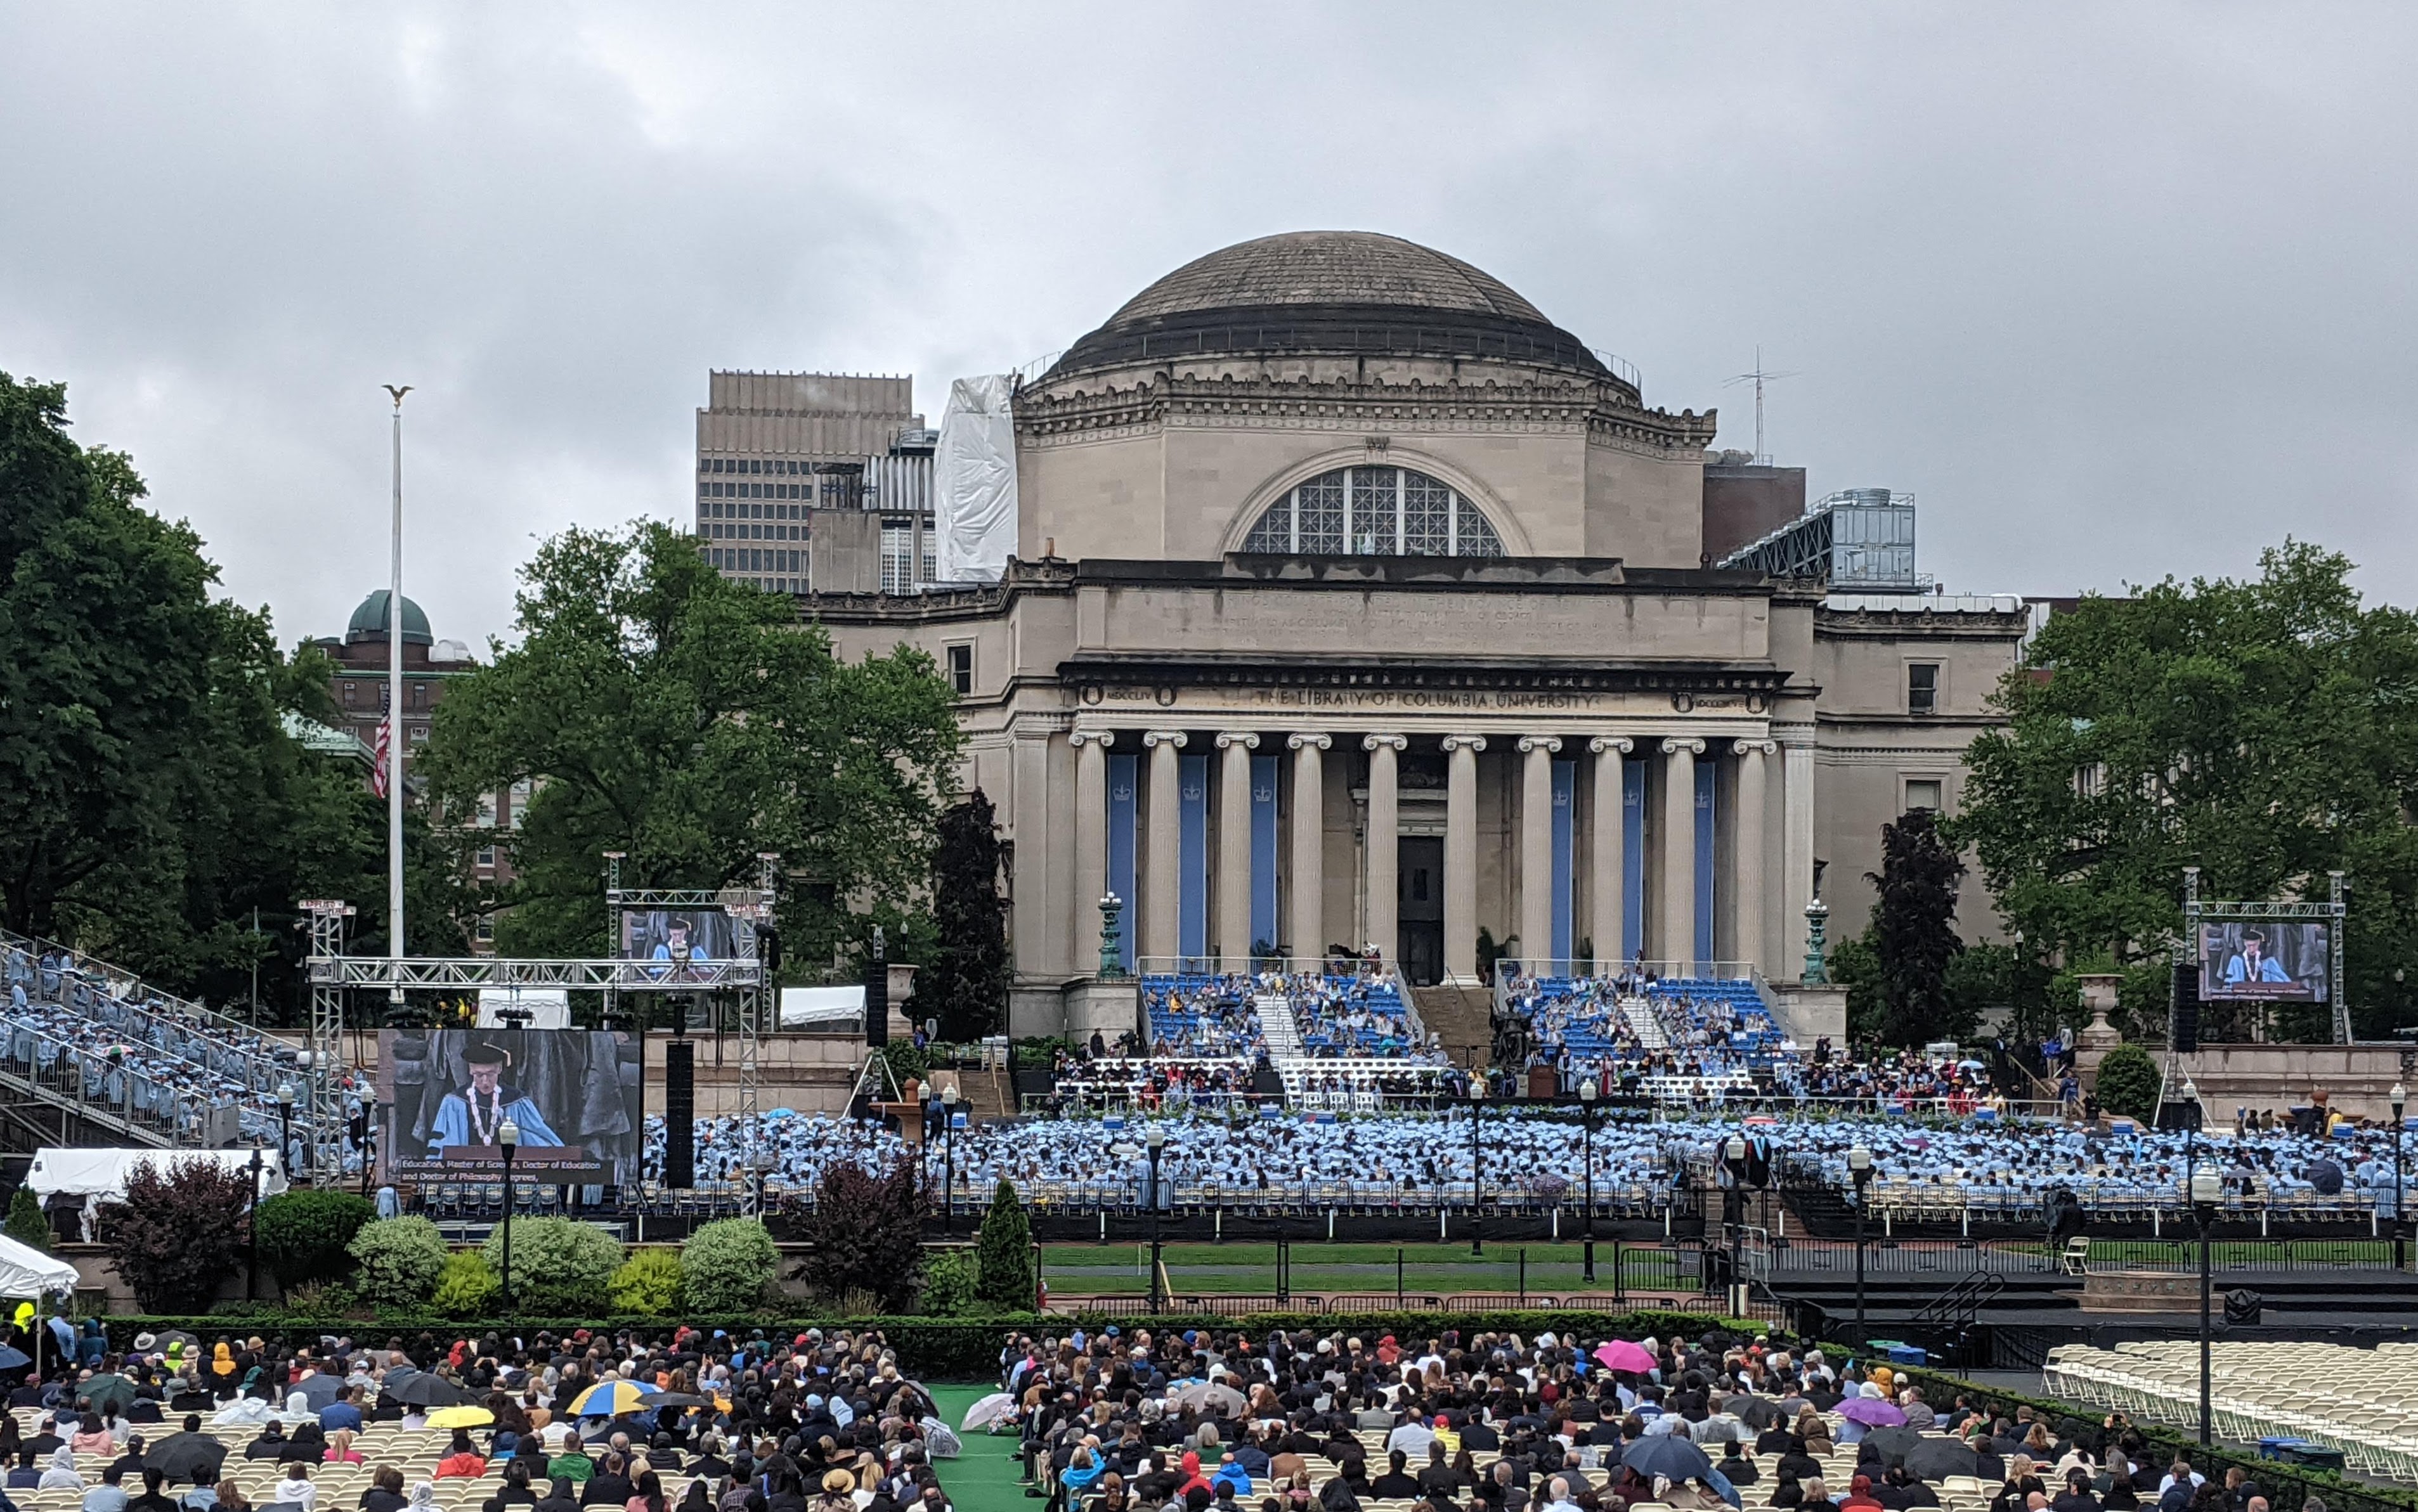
(2265,961)
(574,1093)
(675,934)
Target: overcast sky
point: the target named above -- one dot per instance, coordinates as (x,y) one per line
(2118,291)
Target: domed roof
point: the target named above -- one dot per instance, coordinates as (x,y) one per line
(1331,292)
(369,621)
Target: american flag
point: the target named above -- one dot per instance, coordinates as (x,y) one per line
(377,765)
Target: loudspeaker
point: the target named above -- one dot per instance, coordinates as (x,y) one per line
(679,1114)
(2183,1030)
(877,997)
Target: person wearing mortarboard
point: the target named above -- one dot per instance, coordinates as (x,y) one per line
(471,1115)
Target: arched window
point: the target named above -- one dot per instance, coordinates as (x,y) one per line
(1373,511)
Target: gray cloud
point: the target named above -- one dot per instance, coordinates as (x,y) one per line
(2118,291)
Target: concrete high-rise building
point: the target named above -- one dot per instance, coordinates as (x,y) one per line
(815,482)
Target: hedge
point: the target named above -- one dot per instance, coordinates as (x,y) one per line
(2287,1486)
(964,1349)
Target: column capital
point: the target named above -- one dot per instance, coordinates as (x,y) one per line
(1600,743)
(1678,743)
(1539,742)
(1078,738)
(1245,738)
(1371,742)
(1455,742)
(1757,747)
(1174,737)
(1301,738)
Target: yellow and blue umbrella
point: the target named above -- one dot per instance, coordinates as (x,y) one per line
(612,1399)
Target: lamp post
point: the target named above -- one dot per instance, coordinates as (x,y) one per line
(1476,1158)
(1588,1090)
(252,1265)
(1733,1209)
(508,1139)
(1157,1140)
(948,1162)
(2400,1237)
(2207,1191)
(285,1125)
(1860,1168)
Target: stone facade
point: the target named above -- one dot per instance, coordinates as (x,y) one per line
(1591,741)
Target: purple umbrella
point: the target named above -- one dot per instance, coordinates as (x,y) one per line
(1872,1412)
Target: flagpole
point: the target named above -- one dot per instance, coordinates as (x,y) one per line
(396,737)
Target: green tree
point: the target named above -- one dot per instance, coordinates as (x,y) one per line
(177,1237)
(26,1225)
(1913,932)
(866,1234)
(2128,1082)
(690,722)
(729,1265)
(2265,731)
(1003,1254)
(307,1235)
(965,984)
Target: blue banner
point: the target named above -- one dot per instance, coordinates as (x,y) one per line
(1125,788)
(1566,782)
(1633,856)
(1706,789)
(1192,856)
(1263,851)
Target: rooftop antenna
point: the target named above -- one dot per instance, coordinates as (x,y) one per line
(1759,377)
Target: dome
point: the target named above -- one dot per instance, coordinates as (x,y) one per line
(369,622)
(1348,293)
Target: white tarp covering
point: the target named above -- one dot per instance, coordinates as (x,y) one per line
(974,480)
(803,1006)
(100,1175)
(547,1007)
(26,1272)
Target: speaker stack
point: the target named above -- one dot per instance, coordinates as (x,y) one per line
(679,1114)
(2183,1028)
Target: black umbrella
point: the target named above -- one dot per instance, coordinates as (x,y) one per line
(1756,1412)
(1667,1454)
(1939,1459)
(319,1391)
(187,1457)
(426,1389)
(1893,1443)
(106,1388)
(673,1399)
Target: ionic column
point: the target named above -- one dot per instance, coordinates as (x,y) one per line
(1750,845)
(1308,914)
(1605,873)
(1461,859)
(1091,842)
(1678,942)
(1536,846)
(1234,849)
(1385,843)
(1162,886)
(1795,851)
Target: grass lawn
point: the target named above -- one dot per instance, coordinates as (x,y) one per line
(982,1479)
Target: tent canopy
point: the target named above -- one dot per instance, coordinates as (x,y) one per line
(547,1007)
(822,1005)
(100,1175)
(26,1272)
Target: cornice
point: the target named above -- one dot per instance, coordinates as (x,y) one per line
(1433,674)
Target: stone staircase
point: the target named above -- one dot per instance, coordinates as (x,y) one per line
(1644,1022)
(1461,1018)
(1278,1026)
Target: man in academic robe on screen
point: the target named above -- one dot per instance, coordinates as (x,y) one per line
(473,1114)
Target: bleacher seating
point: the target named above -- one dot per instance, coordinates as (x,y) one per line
(1200,1014)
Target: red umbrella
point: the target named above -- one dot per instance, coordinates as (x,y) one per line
(1620,1354)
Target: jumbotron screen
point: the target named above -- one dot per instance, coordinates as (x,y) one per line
(2265,961)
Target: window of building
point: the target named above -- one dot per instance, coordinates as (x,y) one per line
(1373,511)
(487,931)
(419,735)
(899,574)
(1923,793)
(487,856)
(961,667)
(487,819)
(349,692)
(1923,688)
(522,791)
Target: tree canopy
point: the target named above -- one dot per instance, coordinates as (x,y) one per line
(2265,731)
(964,983)
(1913,932)
(691,722)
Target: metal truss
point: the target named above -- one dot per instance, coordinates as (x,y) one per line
(435,972)
(2334,909)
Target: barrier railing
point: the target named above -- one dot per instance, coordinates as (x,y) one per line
(210,1041)
(105,1082)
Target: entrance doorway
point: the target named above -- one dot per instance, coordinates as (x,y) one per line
(1419,910)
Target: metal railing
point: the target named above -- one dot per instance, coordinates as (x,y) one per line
(103,1084)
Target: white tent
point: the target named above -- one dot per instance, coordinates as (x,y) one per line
(547,1007)
(100,1175)
(801,1007)
(26,1272)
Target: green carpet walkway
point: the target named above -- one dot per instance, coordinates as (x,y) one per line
(982,1479)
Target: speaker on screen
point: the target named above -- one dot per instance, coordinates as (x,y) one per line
(2183,1034)
(679,1114)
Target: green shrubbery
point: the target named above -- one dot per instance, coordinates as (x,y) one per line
(561,1267)
(397,1262)
(2128,1082)
(468,1288)
(948,1284)
(649,1283)
(729,1265)
(304,1235)
(1003,1255)
(26,1224)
